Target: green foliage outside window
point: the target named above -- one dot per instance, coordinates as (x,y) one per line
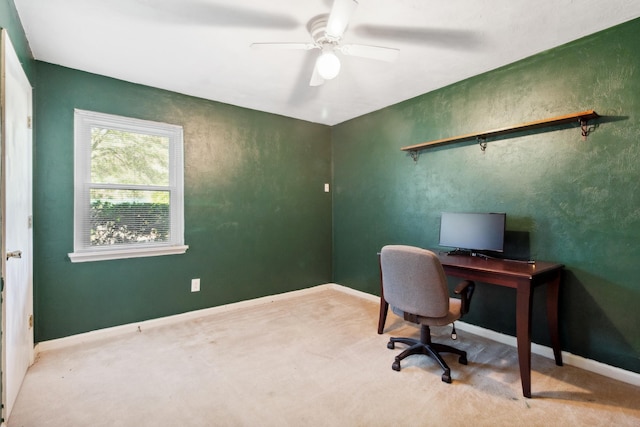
(126,222)
(120,157)
(121,216)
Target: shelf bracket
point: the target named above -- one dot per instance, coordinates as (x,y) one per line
(414,155)
(585,128)
(482,142)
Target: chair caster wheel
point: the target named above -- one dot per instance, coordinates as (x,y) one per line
(391,345)
(446,378)
(396,366)
(462,360)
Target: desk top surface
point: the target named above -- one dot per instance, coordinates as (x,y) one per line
(500,266)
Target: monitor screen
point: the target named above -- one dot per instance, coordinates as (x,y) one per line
(473,231)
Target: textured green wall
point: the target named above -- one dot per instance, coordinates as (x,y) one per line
(257,219)
(580,200)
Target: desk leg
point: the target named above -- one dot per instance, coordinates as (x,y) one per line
(523,334)
(384,305)
(553,292)
(384,308)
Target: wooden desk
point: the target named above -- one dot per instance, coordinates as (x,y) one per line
(523,277)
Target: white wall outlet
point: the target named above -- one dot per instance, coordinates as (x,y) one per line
(195,285)
(326,188)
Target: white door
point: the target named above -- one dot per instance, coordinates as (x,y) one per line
(17,234)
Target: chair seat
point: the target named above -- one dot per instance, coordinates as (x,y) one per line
(453,315)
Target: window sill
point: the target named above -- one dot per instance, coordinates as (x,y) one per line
(104,255)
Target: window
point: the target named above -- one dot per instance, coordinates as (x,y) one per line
(128,192)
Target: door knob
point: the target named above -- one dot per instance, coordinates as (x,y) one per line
(14,254)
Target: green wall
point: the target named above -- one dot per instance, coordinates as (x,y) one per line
(257,219)
(579,200)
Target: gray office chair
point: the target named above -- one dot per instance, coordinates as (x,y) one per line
(415,286)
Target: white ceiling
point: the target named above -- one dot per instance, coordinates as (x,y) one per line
(201,47)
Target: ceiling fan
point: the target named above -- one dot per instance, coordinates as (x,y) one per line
(326,32)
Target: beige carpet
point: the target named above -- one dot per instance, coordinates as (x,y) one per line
(314,359)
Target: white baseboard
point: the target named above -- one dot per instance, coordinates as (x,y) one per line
(609,371)
(568,358)
(121,330)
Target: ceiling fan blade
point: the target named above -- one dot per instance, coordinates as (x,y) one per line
(284,46)
(199,12)
(339,17)
(316,78)
(378,53)
(440,37)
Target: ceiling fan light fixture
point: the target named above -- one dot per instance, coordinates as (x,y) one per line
(328,65)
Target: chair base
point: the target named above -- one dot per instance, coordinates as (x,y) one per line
(426,347)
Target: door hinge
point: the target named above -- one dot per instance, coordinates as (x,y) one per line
(30,321)
(29,122)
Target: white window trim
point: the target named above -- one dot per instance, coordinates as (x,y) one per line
(127,253)
(82,173)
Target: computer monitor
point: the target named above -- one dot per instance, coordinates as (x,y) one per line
(473,231)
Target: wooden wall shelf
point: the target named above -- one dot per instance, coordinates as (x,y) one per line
(582,117)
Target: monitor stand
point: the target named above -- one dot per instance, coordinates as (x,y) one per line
(460,252)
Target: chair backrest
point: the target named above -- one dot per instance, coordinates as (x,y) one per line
(413,281)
